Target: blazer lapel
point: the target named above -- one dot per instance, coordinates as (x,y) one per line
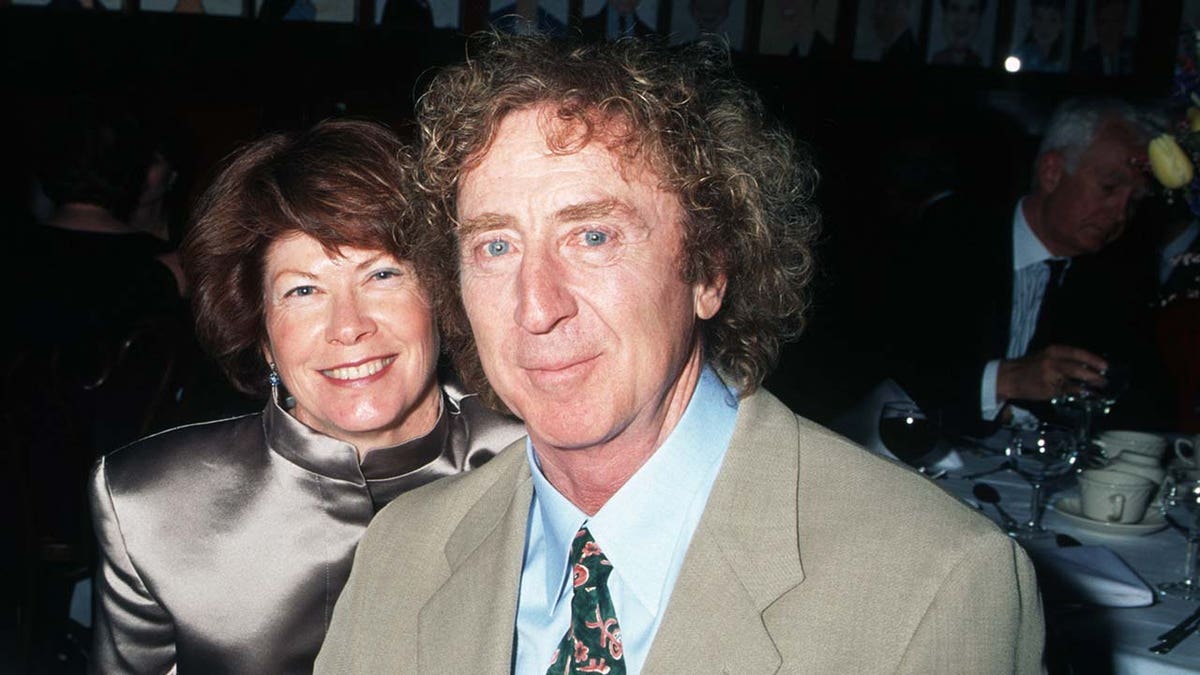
(744,555)
(467,625)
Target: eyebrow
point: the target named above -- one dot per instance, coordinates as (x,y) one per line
(593,209)
(598,208)
(486,221)
(309,275)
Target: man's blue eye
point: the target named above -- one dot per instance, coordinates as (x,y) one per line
(498,247)
(594,238)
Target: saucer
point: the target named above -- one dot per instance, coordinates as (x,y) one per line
(1068,507)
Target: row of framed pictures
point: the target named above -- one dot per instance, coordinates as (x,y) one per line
(964,33)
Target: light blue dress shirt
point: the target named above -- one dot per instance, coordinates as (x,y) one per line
(644,530)
(1030,276)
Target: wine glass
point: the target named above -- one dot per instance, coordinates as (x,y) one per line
(1181,492)
(1041,457)
(1084,404)
(906,431)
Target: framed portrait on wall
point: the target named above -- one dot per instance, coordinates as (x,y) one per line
(1042,34)
(1110,27)
(612,19)
(886,31)
(418,13)
(82,5)
(1189,37)
(798,28)
(324,11)
(691,19)
(962,32)
(210,7)
(526,16)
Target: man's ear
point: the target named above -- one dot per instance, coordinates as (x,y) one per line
(1051,167)
(708,297)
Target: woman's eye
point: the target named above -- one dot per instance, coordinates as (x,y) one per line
(594,238)
(385,274)
(497,247)
(301,291)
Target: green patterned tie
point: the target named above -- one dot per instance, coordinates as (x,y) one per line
(593,641)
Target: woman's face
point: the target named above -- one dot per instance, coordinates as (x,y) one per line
(960,19)
(352,336)
(1047,26)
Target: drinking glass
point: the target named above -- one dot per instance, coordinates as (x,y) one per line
(1086,405)
(906,431)
(1182,493)
(1041,457)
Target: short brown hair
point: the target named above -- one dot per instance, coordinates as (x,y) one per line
(745,188)
(342,182)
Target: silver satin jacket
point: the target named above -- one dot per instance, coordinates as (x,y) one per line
(224,545)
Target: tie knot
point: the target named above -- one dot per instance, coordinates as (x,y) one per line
(1057,267)
(588,561)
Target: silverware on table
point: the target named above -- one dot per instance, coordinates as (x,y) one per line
(1170,639)
(989,495)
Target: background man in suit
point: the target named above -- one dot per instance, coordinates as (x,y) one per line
(633,242)
(1008,306)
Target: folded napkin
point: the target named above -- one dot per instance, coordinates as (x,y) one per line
(1092,575)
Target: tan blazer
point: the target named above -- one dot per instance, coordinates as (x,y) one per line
(812,556)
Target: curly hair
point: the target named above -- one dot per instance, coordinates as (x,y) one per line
(744,186)
(342,182)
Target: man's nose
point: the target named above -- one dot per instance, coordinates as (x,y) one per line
(544,300)
(348,322)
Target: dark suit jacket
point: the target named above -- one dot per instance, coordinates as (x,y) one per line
(951,307)
(903,51)
(595,27)
(1091,60)
(812,556)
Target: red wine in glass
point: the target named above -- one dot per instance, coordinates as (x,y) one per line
(906,431)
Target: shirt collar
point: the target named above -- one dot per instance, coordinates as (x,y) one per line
(638,527)
(1027,248)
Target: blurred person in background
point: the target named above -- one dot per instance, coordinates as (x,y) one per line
(1008,306)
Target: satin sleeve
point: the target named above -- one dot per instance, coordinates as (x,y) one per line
(132,632)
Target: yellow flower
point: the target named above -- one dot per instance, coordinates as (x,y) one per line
(1169,163)
(1193,118)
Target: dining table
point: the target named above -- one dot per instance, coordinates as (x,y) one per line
(1083,634)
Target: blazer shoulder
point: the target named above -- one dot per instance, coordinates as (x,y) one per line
(171,459)
(842,481)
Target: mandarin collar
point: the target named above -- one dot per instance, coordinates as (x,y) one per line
(332,458)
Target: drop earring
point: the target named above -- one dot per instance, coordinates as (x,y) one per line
(273,377)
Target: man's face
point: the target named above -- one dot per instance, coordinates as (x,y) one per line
(889,19)
(797,15)
(571,281)
(1088,209)
(1047,26)
(710,14)
(960,18)
(625,6)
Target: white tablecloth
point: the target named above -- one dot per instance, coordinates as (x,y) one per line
(1127,632)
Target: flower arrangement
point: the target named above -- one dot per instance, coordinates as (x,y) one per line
(1173,157)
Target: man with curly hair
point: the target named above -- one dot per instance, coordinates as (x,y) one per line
(631,244)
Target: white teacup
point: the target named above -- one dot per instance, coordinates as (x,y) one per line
(1185,450)
(1138,465)
(1113,496)
(1113,443)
